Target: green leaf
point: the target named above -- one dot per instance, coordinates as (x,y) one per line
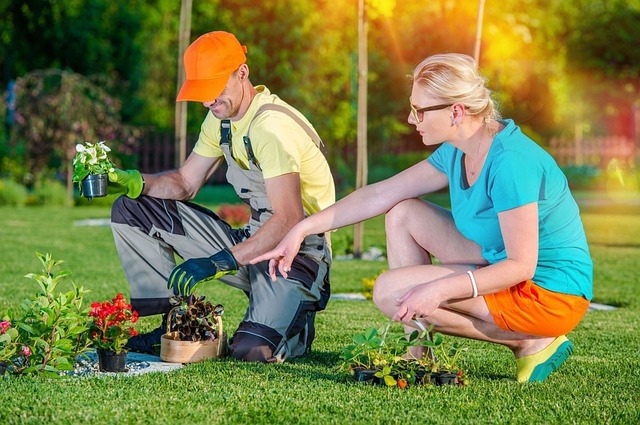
(390,381)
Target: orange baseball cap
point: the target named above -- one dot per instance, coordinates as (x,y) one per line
(208,62)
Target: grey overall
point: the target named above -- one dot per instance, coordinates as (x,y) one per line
(279,321)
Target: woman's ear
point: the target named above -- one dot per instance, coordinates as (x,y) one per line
(457,113)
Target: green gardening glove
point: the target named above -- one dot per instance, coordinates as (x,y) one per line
(127,182)
(185,278)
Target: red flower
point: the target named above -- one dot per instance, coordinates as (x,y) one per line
(110,329)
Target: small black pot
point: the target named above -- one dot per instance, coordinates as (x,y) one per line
(94,186)
(3,367)
(366,375)
(444,378)
(110,361)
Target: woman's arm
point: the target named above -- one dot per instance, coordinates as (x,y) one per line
(364,203)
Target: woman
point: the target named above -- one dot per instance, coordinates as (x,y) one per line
(514,265)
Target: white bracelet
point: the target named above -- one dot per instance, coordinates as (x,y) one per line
(474,285)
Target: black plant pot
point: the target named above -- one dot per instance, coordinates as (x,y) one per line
(366,375)
(3,367)
(94,186)
(110,361)
(444,378)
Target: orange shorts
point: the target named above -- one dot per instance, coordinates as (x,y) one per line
(531,309)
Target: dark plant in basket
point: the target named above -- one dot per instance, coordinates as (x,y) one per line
(194,319)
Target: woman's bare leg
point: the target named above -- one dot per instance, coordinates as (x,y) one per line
(416,230)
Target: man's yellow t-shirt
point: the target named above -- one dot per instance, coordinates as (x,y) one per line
(280,146)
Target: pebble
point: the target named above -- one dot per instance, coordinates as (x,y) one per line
(136,364)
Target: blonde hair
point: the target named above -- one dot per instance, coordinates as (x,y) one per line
(454,78)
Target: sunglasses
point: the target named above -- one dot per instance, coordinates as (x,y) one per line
(418,113)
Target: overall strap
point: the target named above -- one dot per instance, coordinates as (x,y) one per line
(279,108)
(225,132)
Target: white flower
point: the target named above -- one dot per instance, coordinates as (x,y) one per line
(80,148)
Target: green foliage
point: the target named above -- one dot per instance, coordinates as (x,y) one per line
(9,341)
(368,282)
(581,177)
(387,165)
(344,176)
(12,193)
(386,351)
(88,37)
(105,201)
(342,242)
(610,55)
(535,58)
(57,110)
(48,191)
(53,325)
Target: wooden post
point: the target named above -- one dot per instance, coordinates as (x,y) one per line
(181,107)
(361,155)
(476,50)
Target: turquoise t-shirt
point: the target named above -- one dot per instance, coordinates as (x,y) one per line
(517,172)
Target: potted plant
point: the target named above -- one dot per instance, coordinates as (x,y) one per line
(90,168)
(381,356)
(194,331)
(110,330)
(377,356)
(444,367)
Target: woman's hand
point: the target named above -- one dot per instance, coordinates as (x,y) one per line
(282,255)
(419,301)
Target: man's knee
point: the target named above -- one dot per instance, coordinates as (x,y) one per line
(147,213)
(251,348)
(125,210)
(254,343)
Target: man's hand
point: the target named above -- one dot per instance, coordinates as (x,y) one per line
(185,278)
(127,182)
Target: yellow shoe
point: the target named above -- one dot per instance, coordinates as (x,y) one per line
(538,366)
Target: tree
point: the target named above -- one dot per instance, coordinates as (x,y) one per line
(607,66)
(96,38)
(55,110)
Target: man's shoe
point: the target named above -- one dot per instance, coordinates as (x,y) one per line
(148,343)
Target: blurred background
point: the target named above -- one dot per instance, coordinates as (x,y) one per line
(568,72)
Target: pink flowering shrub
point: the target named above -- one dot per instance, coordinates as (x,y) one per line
(237,215)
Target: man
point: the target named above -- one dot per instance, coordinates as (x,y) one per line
(275,165)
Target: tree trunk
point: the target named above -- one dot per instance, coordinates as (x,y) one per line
(361,162)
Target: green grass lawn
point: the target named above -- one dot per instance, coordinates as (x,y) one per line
(600,383)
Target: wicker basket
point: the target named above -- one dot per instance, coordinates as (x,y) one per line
(173,350)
